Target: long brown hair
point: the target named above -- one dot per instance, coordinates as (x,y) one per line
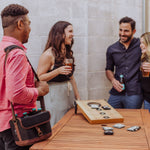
(55,40)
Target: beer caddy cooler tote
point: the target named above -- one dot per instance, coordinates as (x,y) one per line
(33,127)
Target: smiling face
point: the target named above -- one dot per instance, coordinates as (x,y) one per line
(143,45)
(125,32)
(68,35)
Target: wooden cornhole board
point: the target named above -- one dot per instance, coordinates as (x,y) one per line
(98,115)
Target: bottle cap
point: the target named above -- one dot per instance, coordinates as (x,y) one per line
(121,76)
(25,113)
(33,109)
(39,109)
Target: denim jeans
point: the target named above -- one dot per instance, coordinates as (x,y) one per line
(125,101)
(147,105)
(7,141)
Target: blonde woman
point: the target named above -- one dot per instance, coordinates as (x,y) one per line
(145,68)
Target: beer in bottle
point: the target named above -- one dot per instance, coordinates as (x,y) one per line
(33,111)
(122,81)
(39,109)
(25,114)
(16,115)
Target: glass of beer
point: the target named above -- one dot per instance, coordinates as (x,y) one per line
(69,62)
(144,74)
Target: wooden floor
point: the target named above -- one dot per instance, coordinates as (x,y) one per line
(74,132)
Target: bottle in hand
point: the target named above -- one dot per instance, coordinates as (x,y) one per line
(122,81)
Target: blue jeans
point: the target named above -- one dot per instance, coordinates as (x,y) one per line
(125,101)
(146,105)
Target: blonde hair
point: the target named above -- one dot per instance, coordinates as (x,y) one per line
(146,56)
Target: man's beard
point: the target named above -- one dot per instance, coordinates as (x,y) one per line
(26,36)
(128,38)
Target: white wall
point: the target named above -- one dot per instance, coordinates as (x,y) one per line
(95,25)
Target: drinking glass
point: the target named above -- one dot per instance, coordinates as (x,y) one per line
(69,62)
(144,74)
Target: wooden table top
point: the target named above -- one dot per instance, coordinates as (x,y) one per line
(73,132)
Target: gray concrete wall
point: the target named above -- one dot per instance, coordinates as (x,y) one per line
(95,25)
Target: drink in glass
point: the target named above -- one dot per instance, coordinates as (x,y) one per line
(68,62)
(144,74)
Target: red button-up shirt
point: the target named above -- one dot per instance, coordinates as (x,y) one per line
(16,82)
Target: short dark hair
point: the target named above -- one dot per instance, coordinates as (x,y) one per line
(128,20)
(11,13)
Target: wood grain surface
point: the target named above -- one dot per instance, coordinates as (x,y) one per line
(94,116)
(74,132)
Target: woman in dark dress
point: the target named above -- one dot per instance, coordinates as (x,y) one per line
(53,69)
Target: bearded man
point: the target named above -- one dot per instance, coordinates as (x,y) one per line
(123,58)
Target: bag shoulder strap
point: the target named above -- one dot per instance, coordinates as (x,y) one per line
(11,47)
(41,98)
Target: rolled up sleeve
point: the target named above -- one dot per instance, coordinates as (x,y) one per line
(109,61)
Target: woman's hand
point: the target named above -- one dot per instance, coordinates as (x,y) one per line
(146,66)
(75,89)
(65,70)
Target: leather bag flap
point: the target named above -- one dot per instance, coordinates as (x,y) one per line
(35,120)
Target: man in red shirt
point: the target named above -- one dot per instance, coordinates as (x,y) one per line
(16,77)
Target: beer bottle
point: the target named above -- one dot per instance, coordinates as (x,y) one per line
(25,114)
(39,109)
(16,115)
(33,111)
(122,81)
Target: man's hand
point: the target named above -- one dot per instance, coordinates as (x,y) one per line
(117,85)
(42,87)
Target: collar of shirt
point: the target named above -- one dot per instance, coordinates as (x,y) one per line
(134,42)
(13,40)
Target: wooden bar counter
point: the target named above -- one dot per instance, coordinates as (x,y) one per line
(74,132)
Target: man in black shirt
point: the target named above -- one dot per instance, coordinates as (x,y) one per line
(124,57)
